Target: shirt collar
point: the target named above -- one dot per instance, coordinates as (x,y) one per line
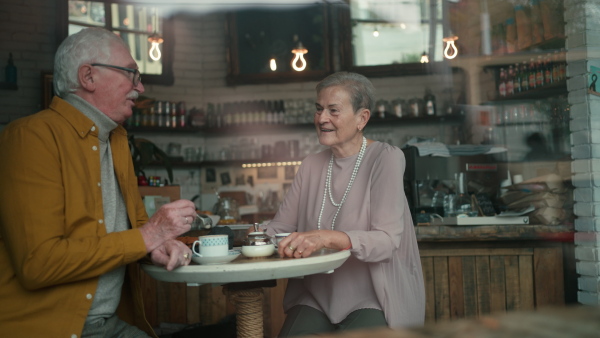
(104,124)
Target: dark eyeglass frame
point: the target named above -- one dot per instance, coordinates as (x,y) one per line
(137,77)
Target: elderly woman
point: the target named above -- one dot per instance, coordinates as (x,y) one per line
(350,197)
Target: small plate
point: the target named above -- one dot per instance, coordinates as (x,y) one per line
(233,254)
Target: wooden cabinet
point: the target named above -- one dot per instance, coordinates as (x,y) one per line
(467,279)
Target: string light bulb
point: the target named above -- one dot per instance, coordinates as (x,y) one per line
(273,64)
(299,63)
(424,58)
(155,39)
(376,32)
(450,52)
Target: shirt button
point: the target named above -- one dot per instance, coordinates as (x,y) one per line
(100,221)
(99,184)
(94,148)
(93,128)
(73,336)
(88,296)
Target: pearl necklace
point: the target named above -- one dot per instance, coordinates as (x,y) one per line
(327,189)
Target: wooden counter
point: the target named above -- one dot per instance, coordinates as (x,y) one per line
(477,270)
(469,272)
(440,233)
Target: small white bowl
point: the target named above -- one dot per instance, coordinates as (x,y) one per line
(258,250)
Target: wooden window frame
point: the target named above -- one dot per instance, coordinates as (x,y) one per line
(166,78)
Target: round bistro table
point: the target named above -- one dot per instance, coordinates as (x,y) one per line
(235,275)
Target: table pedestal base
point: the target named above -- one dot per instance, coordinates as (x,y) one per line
(249,312)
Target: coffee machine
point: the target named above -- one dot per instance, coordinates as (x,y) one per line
(427,179)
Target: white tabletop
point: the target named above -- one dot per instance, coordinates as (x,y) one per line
(244,269)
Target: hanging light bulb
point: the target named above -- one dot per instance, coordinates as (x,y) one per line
(424,58)
(299,64)
(450,52)
(155,39)
(273,64)
(375,32)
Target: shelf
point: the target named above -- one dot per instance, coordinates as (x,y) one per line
(552,90)
(132,129)
(273,128)
(255,129)
(224,163)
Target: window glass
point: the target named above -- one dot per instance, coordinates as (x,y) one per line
(87,12)
(133,23)
(389,32)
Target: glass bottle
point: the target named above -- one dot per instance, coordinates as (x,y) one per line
(539,74)
(10,71)
(167,113)
(173,116)
(510,76)
(532,73)
(555,66)
(219,116)
(517,79)
(381,111)
(548,79)
(524,77)
(429,103)
(502,84)
(462,202)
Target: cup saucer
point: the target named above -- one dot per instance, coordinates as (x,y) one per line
(233,254)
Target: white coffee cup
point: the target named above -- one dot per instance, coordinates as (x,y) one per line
(212,246)
(280,236)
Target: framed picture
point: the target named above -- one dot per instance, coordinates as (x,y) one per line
(225,178)
(47,89)
(290,172)
(266,172)
(240,180)
(211,175)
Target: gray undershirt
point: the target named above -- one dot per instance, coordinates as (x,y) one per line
(108,292)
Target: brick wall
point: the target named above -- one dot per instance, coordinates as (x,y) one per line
(583,48)
(27,30)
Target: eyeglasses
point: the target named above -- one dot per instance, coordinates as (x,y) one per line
(137,77)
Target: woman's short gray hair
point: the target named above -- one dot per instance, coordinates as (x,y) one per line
(86,46)
(361,90)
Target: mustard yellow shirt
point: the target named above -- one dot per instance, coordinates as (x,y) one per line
(53,243)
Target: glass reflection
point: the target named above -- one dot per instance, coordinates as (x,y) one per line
(405,30)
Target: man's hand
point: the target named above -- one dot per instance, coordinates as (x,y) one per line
(168,222)
(171,254)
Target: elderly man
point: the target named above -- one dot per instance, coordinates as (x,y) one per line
(72,222)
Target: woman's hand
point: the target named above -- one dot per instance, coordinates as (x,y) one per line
(303,244)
